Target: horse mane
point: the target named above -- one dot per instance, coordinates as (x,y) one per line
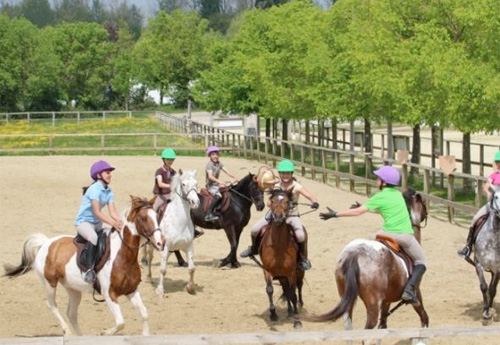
(243,182)
(277,191)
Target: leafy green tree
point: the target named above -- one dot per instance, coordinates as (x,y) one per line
(84,51)
(38,12)
(70,11)
(169,54)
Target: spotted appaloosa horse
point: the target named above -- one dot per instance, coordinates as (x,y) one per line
(54,260)
(369,270)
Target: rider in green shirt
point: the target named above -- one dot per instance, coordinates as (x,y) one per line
(389,202)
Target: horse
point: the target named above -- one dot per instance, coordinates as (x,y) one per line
(55,261)
(278,252)
(177,226)
(368,269)
(235,217)
(487,253)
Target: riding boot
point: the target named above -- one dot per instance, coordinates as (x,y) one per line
(252,250)
(304,263)
(90,259)
(198,233)
(410,291)
(210,217)
(465,251)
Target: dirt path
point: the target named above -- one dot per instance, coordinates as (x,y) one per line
(43,194)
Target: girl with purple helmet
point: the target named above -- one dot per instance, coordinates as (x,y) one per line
(213,183)
(90,218)
(389,202)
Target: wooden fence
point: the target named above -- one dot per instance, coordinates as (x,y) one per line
(330,166)
(417,335)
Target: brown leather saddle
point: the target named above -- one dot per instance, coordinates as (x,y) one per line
(393,246)
(103,250)
(208,198)
(161,210)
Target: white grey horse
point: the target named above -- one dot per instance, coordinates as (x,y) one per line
(487,253)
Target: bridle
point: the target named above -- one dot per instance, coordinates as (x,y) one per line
(142,231)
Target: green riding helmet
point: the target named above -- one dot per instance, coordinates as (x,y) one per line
(286,166)
(497,156)
(168,153)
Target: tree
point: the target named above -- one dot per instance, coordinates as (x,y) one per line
(38,12)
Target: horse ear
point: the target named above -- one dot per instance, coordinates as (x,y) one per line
(180,171)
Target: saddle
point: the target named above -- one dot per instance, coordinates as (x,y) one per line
(396,249)
(208,198)
(161,211)
(103,251)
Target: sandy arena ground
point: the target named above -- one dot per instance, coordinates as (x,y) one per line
(42,194)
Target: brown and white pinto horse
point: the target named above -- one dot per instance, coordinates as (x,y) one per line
(54,259)
(369,270)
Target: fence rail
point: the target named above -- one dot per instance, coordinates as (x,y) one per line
(330,166)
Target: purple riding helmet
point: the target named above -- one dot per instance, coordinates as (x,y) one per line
(98,167)
(211,149)
(388,174)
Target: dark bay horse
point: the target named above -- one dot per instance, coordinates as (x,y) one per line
(371,271)
(278,252)
(233,219)
(54,260)
(487,253)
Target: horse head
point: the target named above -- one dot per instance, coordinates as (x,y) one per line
(495,200)
(281,204)
(186,186)
(416,209)
(142,215)
(256,194)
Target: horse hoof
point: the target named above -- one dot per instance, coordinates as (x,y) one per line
(235,265)
(297,324)
(274,317)
(190,289)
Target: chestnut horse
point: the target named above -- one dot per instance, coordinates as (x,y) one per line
(278,252)
(54,259)
(371,271)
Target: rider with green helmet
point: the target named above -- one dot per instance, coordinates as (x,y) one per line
(286,168)
(163,177)
(493,180)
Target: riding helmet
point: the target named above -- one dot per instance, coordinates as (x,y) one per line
(497,156)
(286,165)
(211,149)
(98,167)
(168,153)
(388,174)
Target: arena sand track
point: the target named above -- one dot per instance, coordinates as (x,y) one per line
(43,194)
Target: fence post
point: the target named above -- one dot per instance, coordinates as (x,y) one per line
(337,169)
(451,197)
(352,170)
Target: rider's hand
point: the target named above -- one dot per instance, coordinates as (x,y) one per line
(314,205)
(327,215)
(355,205)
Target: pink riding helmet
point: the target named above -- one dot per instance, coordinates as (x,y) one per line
(98,167)
(211,149)
(388,174)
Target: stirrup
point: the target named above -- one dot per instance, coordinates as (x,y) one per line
(410,298)
(211,217)
(305,264)
(89,276)
(465,251)
(247,252)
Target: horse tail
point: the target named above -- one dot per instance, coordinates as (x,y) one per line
(30,249)
(350,271)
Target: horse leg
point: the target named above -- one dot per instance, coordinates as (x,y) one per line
(493,288)
(484,289)
(300,283)
(384,314)
(74,299)
(144,255)
(52,305)
(190,287)
(136,300)
(269,289)
(160,290)
(148,259)
(233,236)
(117,313)
(180,260)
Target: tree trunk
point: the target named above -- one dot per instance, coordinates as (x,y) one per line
(368,136)
(308,132)
(390,140)
(415,150)
(335,143)
(351,135)
(466,163)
